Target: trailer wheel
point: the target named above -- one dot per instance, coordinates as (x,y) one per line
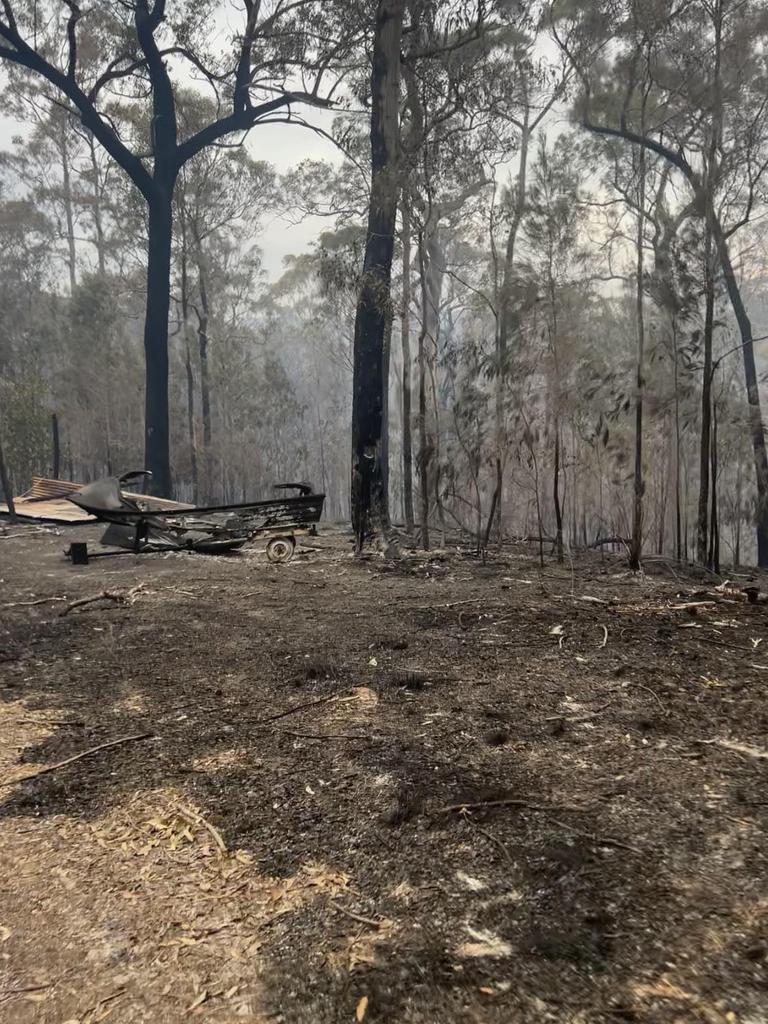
(281,549)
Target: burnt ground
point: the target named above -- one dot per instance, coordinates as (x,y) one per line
(615,870)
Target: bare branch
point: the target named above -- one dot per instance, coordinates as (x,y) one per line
(239,122)
(24,55)
(112,73)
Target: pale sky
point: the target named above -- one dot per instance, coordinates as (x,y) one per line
(284,146)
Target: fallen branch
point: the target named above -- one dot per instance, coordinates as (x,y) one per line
(604,641)
(82,754)
(193,818)
(6,992)
(494,839)
(725,643)
(31,604)
(510,802)
(120,597)
(294,710)
(356,917)
(642,686)
(323,736)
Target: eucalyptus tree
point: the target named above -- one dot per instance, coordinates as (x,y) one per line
(221,197)
(455,130)
(529,84)
(552,225)
(686,82)
(370,510)
(44,163)
(254,61)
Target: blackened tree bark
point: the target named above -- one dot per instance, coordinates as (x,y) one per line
(369,493)
(702,523)
(636,544)
(678,446)
(5,483)
(753,393)
(424,452)
(556,495)
(156,417)
(709,183)
(713,559)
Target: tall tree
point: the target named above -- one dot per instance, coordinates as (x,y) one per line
(699,108)
(139,41)
(536,86)
(369,475)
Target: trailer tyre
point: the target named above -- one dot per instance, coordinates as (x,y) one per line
(281,549)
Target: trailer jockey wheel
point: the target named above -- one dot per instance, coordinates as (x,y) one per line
(281,549)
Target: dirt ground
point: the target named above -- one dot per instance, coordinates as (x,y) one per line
(425,791)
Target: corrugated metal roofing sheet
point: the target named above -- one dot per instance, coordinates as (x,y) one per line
(56,511)
(45,501)
(43,489)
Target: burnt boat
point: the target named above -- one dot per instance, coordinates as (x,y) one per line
(141,525)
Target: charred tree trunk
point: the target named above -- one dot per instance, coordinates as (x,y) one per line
(386,361)
(556,495)
(714,525)
(678,452)
(636,545)
(574,502)
(369,495)
(706,401)
(424,453)
(156,411)
(753,393)
(5,483)
(405,340)
(737,516)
